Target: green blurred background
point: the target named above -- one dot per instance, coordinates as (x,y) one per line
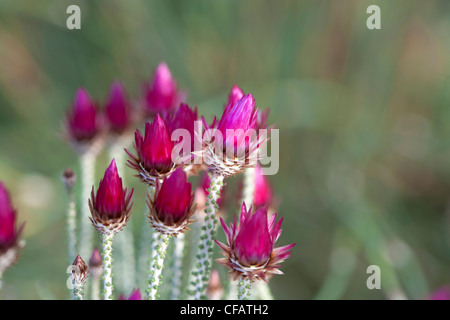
(363,116)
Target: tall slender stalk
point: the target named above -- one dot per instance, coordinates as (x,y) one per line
(158,254)
(145,241)
(203,265)
(87,164)
(95,288)
(71,227)
(107,240)
(249,187)
(177,258)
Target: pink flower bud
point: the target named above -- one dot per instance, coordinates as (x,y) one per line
(117,108)
(253,244)
(162,94)
(172,205)
(239,116)
(235,144)
(153,158)
(111,206)
(250,250)
(82,119)
(95,260)
(110,198)
(8,232)
(183,118)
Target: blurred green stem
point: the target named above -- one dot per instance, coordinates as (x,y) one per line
(71,227)
(87,165)
(145,241)
(178,254)
(95,288)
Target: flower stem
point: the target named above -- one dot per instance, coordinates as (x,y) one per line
(206,240)
(78,290)
(245,285)
(176,267)
(107,240)
(71,227)
(95,290)
(146,240)
(249,186)
(263,292)
(87,163)
(158,254)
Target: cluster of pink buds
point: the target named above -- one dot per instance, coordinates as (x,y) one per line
(10,243)
(85,124)
(164,156)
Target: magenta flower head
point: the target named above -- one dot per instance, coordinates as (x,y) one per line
(234,145)
(250,250)
(9,235)
(162,95)
(263,191)
(153,159)
(111,206)
(181,125)
(82,120)
(172,205)
(117,108)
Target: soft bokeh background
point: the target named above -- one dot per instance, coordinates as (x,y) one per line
(363,116)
